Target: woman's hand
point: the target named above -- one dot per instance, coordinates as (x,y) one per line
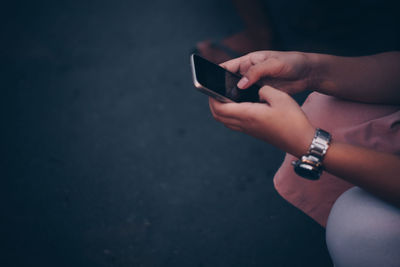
(369,79)
(278,120)
(291,72)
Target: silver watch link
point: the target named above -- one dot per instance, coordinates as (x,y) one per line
(310,165)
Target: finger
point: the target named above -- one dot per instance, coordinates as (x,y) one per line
(259,56)
(268,68)
(234,127)
(211,105)
(271,95)
(233,65)
(218,111)
(236,111)
(226,120)
(245,66)
(243,63)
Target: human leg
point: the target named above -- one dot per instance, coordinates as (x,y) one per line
(363,230)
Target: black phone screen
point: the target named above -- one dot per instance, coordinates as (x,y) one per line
(223,82)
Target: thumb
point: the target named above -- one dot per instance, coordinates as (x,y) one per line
(269,68)
(271,95)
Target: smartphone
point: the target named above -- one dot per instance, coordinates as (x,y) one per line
(219,83)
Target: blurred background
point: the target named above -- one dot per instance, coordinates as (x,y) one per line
(109,157)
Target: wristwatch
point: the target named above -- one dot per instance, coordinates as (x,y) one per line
(310,165)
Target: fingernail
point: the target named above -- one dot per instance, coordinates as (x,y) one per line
(242,83)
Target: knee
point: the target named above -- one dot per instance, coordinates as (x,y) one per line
(363,230)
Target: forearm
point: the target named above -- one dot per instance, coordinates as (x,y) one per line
(376,172)
(369,79)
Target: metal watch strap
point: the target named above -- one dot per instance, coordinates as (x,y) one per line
(319,144)
(310,165)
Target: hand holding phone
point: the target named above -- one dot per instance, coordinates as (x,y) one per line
(215,81)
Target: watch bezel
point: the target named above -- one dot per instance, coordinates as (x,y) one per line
(307,168)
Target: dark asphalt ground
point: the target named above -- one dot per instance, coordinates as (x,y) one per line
(111,158)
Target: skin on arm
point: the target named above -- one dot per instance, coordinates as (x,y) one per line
(376,172)
(368,79)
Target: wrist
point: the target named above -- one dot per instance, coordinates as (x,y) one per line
(318,77)
(302,145)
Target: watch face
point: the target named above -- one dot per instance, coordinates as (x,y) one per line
(307,171)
